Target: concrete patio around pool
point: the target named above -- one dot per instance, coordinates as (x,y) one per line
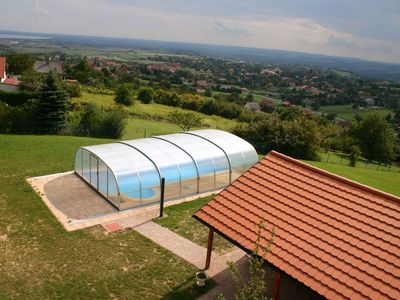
(79,201)
(76,205)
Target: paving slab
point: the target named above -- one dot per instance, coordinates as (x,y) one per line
(76,205)
(175,243)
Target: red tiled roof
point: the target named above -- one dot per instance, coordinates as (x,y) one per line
(11,81)
(2,67)
(338,237)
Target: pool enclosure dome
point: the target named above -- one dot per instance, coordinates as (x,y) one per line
(129,173)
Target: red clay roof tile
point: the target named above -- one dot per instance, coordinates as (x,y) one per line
(340,238)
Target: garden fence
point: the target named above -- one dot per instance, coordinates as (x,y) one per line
(344,159)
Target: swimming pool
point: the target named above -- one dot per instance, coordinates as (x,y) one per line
(129,172)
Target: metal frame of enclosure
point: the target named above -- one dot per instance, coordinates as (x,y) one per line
(129,173)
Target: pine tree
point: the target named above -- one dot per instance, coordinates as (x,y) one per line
(52,106)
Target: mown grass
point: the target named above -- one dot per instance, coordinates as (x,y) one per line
(347,112)
(344,159)
(40,260)
(382,180)
(178,218)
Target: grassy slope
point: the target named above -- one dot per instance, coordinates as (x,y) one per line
(343,159)
(40,260)
(382,180)
(346,112)
(155,111)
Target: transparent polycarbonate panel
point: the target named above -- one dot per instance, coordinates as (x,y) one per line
(241,154)
(128,166)
(78,162)
(112,188)
(221,171)
(164,156)
(102,178)
(221,179)
(208,157)
(93,171)
(251,158)
(85,165)
(199,161)
(189,178)
(174,164)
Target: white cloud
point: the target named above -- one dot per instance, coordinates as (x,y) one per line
(38,9)
(252,23)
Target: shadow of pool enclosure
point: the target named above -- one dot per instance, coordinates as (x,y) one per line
(129,173)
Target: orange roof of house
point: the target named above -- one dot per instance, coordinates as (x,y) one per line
(2,67)
(336,236)
(11,81)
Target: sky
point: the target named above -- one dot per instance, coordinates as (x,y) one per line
(368,29)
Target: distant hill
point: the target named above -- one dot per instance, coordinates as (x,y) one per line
(371,69)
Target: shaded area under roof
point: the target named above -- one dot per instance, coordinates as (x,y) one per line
(338,237)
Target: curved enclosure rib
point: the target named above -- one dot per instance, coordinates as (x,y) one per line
(129,173)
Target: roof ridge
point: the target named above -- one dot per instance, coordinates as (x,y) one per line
(334,176)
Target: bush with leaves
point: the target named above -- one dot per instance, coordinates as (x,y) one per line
(124,95)
(32,81)
(96,122)
(73,89)
(145,95)
(19,63)
(290,133)
(376,138)
(113,124)
(355,153)
(185,120)
(17,119)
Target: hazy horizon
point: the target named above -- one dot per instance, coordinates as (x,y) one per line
(353,28)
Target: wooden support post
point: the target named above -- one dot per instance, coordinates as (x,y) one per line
(209,248)
(277,285)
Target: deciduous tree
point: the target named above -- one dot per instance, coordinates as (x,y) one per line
(185,120)
(376,137)
(124,95)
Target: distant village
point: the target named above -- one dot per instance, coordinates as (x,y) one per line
(255,87)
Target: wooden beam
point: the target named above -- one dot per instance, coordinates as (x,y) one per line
(209,248)
(277,285)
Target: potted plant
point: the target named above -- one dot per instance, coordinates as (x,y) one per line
(201,278)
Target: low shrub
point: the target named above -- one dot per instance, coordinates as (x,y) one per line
(17,98)
(17,119)
(95,122)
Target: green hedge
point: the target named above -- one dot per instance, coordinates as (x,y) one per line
(17,98)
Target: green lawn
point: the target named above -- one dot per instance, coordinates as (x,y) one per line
(343,159)
(40,260)
(382,180)
(347,112)
(178,218)
(155,111)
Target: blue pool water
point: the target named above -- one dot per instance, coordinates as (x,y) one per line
(149,179)
(147,193)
